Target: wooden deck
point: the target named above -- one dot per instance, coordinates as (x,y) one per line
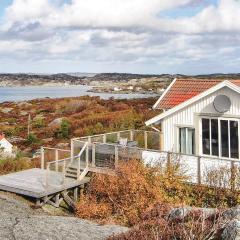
(31,183)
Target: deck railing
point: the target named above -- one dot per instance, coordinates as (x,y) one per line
(103,152)
(48,154)
(62,165)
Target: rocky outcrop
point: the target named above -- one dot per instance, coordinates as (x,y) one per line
(56,122)
(230,219)
(19,222)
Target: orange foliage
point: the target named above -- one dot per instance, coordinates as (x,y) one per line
(126,196)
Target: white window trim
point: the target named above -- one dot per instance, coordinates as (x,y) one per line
(219,138)
(178,136)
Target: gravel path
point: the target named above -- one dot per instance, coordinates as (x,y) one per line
(18,221)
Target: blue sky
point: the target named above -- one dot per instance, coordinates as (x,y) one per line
(140,36)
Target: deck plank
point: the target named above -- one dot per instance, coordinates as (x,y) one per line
(31,183)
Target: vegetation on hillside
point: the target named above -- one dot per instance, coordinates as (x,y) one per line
(15,164)
(135,189)
(56,120)
(141,197)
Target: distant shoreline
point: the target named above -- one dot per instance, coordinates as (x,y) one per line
(26,93)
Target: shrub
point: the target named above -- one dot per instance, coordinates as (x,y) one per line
(64,129)
(32,139)
(196,224)
(38,122)
(126,196)
(8,164)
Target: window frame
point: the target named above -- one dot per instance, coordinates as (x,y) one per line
(228,119)
(179,142)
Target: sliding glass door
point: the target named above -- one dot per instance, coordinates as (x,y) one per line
(220,137)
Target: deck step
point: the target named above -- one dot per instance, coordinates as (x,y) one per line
(69,175)
(71,171)
(72,168)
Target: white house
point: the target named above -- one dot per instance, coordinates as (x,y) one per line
(200,117)
(5,146)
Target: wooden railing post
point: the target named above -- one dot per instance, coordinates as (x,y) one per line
(118,136)
(42,158)
(199,170)
(89,139)
(56,159)
(145,140)
(87,155)
(131,135)
(116,156)
(161,141)
(78,167)
(104,138)
(72,150)
(64,171)
(47,175)
(233,176)
(93,155)
(168,160)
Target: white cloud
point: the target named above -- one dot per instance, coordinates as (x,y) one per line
(121,31)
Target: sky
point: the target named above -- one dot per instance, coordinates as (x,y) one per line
(134,36)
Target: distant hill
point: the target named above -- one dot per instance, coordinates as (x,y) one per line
(29,79)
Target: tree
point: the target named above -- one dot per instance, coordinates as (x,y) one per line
(64,129)
(32,139)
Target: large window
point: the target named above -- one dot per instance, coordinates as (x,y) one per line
(220,137)
(186,140)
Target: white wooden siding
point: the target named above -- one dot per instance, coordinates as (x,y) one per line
(189,117)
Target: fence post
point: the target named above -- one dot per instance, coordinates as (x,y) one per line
(168,160)
(161,141)
(93,155)
(42,158)
(131,135)
(72,150)
(79,167)
(104,138)
(118,136)
(199,170)
(64,171)
(145,140)
(56,159)
(47,175)
(233,176)
(116,156)
(87,155)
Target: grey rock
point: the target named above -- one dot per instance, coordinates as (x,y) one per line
(19,222)
(231,231)
(23,113)
(6,110)
(24,104)
(56,122)
(232,213)
(179,213)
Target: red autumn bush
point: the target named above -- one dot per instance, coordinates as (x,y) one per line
(156,224)
(126,196)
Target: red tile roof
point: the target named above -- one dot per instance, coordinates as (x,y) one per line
(2,136)
(184,89)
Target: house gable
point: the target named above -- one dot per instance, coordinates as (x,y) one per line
(181,90)
(192,100)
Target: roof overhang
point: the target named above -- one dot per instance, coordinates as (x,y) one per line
(179,107)
(164,93)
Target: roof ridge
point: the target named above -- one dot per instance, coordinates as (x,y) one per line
(202,79)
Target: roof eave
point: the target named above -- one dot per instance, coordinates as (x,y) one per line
(164,93)
(159,117)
